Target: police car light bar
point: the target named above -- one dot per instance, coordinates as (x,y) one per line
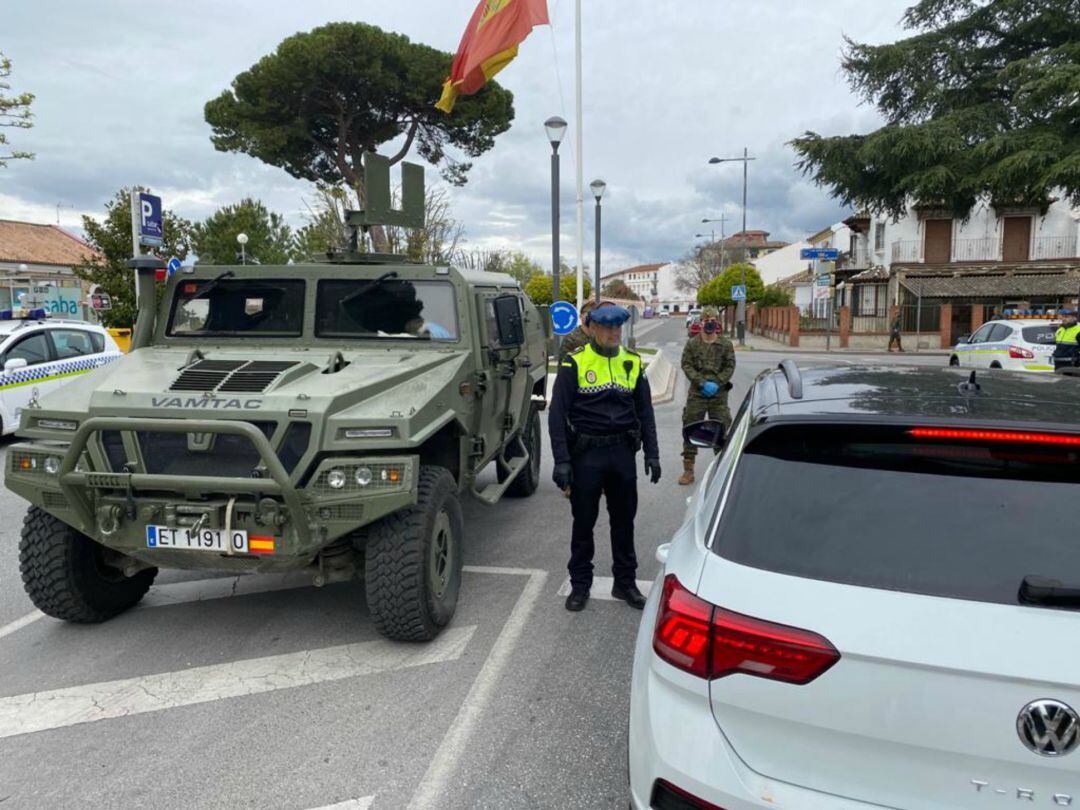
(23,315)
(999,436)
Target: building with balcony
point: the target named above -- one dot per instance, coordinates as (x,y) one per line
(946,274)
(756,243)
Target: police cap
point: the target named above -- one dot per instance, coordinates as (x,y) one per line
(612,315)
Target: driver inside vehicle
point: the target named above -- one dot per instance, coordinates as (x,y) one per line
(392,309)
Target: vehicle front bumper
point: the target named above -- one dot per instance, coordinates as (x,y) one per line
(114,508)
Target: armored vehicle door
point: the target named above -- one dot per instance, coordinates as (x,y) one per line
(506,371)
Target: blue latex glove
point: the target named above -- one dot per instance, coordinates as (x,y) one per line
(709,389)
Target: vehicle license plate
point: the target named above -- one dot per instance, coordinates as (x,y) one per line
(201,540)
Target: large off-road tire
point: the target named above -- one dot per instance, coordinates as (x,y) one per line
(413,562)
(65,574)
(528,479)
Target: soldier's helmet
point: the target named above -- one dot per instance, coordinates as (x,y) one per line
(710,313)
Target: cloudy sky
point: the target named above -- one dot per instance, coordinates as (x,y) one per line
(121,86)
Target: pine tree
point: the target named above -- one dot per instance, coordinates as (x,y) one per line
(982,101)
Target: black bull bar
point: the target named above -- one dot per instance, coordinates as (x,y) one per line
(278,484)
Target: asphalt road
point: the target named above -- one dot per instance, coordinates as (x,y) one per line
(270,693)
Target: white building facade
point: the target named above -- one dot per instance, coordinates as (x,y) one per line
(657,285)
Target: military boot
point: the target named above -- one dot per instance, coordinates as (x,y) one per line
(688,472)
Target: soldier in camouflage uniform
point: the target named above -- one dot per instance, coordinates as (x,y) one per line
(708,361)
(580,336)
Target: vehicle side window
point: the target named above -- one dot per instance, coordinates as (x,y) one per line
(71,343)
(97,340)
(33,349)
(999,333)
(982,334)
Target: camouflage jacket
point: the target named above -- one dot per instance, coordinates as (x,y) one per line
(572,342)
(703,361)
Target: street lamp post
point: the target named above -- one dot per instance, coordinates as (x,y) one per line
(556,128)
(242,240)
(745,162)
(721,220)
(597,187)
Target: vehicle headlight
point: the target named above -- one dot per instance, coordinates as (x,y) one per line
(363,476)
(335,479)
(369,433)
(57,424)
(52,465)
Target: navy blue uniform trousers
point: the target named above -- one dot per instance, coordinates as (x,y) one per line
(611,472)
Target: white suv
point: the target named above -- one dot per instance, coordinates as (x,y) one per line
(39,356)
(873,601)
(1019,345)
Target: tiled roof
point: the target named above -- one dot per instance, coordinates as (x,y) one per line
(41,244)
(873,274)
(1013,285)
(802,277)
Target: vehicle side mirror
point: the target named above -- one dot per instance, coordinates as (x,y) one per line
(711,434)
(508,321)
(15,363)
(963,339)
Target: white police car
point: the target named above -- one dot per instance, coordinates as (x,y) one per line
(40,355)
(1018,345)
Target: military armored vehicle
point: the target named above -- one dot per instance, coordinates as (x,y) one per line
(324,417)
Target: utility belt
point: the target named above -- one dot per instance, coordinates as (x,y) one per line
(583,442)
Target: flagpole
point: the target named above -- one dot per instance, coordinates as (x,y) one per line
(580,164)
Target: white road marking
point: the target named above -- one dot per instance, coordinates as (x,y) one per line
(601,588)
(19,624)
(41,711)
(431,792)
(349,804)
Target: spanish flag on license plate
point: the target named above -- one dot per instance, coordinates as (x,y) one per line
(261,545)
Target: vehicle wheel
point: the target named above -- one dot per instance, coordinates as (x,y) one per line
(528,479)
(954,361)
(65,574)
(413,562)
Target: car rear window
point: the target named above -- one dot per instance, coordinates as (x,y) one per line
(1040,334)
(879,508)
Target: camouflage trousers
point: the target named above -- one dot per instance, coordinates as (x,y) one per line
(699,408)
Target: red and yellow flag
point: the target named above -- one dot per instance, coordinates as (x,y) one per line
(489,44)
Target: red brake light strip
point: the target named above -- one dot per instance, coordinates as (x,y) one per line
(999,436)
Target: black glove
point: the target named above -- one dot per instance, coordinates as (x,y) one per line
(563,476)
(652,468)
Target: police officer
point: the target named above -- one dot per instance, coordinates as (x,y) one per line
(601,413)
(580,336)
(708,361)
(1067,340)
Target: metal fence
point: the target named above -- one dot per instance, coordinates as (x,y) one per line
(1055,247)
(976,250)
(908,250)
(924,318)
(863,324)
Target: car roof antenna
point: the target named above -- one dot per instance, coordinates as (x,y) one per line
(970,387)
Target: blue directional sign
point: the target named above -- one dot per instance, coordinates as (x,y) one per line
(820,254)
(738,292)
(151,231)
(564,317)
(173,265)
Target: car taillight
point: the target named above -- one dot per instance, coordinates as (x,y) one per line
(1020,353)
(711,642)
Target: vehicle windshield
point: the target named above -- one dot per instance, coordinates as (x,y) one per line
(386,308)
(1040,334)
(876,508)
(238,308)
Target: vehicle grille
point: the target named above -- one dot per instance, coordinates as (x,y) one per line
(227,454)
(54,500)
(231,376)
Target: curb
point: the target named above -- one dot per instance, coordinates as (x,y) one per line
(661,369)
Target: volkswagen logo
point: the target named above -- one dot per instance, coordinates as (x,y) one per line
(1049,728)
